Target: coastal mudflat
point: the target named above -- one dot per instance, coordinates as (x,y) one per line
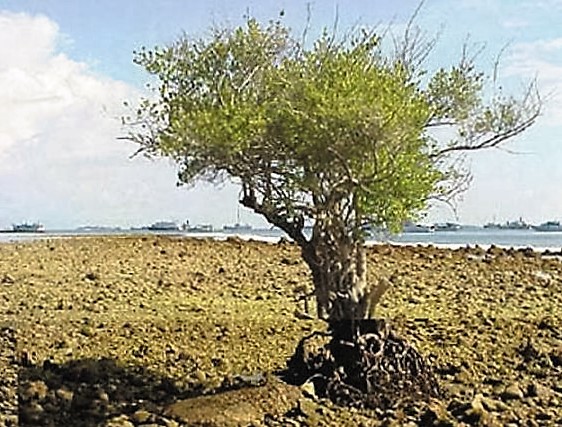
(131,331)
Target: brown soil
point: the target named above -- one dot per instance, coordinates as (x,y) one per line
(136,331)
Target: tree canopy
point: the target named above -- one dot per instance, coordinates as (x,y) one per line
(304,128)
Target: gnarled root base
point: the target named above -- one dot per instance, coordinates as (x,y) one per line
(362,364)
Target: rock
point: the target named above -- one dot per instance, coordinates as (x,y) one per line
(103,396)
(464,376)
(494,405)
(308,389)
(35,390)
(535,389)
(141,416)
(436,414)
(307,407)
(237,407)
(556,357)
(120,421)
(169,423)
(201,376)
(476,411)
(31,413)
(7,279)
(512,392)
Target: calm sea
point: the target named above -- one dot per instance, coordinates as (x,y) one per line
(476,236)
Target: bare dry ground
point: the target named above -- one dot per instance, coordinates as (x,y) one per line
(152,331)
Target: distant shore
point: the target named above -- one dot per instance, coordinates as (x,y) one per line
(517,239)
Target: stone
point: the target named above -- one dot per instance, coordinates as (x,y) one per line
(248,405)
(201,376)
(103,396)
(512,392)
(476,411)
(120,421)
(32,413)
(307,407)
(308,389)
(35,390)
(494,405)
(169,423)
(7,279)
(536,389)
(436,414)
(141,416)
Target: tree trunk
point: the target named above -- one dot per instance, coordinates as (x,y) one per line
(339,273)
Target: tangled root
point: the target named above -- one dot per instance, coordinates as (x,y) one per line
(362,364)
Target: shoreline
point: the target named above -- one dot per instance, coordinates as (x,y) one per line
(554,250)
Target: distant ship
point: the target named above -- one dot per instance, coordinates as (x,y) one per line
(28,228)
(163,226)
(237,227)
(509,225)
(201,228)
(447,226)
(410,227)
(548,226)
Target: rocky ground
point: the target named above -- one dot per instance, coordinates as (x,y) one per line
(154,331)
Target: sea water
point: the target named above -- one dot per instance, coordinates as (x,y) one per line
(474,236)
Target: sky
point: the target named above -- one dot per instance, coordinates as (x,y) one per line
(66,69)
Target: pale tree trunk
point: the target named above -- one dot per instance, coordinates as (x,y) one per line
(339,273)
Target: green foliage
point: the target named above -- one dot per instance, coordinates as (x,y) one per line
(338,130)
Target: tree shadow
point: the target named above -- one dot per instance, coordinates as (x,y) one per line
(91,392)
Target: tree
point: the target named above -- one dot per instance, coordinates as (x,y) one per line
(338,134)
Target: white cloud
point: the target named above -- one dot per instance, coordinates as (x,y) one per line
(44,93)
(60,160)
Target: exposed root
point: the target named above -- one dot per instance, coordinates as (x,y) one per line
(364,365)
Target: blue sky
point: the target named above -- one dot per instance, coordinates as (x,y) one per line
(66,68)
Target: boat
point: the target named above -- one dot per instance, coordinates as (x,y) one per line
(548,226)
(516,225)
(201,228)
(509,225)
(447,226)
(237,227)
(28,228)
(163,226)
(410,227)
